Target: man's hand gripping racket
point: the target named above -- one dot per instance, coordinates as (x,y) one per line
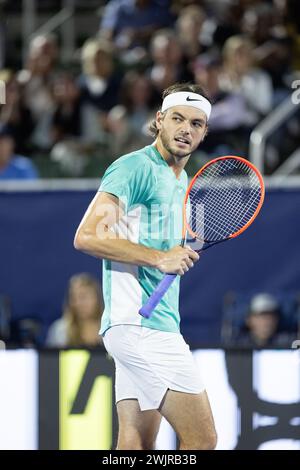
(221,202)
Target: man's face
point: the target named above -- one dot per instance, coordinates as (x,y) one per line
(181,129)
(263,326)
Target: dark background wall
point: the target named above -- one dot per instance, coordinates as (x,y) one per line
(37,257)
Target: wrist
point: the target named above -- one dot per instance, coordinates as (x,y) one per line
(156,259)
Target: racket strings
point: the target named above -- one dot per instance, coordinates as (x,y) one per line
(223,199)
(249,211)
(220,223)
(224,227)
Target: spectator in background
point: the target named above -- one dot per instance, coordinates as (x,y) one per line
(15,113)
(13,166)
(258,21)
(264,25)
(168,64)
(291,12)
(138,96)
(67,119)
(241,76)
(122,136)
(262,324)
(99,85)
(37,80)
(131,23)
(227,121)
(189,25)
(127,122)
(225,21)
(79,325)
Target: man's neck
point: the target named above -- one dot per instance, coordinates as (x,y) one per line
(176,164)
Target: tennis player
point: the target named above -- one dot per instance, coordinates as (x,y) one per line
(134,223)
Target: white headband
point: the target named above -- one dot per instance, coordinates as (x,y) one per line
(185,98)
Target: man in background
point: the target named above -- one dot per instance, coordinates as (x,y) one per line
(262,324)
(13,166)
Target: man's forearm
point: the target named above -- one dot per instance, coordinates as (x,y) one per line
(118,250)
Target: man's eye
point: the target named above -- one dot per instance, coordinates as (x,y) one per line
(177,119)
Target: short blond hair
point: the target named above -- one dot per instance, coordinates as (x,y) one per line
(233,44)
(89,50)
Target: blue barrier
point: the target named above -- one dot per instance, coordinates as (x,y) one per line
(37,257)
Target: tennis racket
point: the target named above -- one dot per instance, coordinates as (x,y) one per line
(221,202)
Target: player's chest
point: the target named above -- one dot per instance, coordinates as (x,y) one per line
(168,190)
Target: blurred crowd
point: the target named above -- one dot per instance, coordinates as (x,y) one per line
(72,118)
(249,321)
(260,320)
(77,326)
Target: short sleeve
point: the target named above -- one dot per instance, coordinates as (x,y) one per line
(131,179)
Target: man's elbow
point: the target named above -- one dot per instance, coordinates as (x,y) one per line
(80,241)
(85,240)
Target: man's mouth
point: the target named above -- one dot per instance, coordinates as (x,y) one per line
(182,140)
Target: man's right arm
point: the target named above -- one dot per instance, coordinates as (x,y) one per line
(95,237)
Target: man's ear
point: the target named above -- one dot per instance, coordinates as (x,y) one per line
(205,134)
(159,118)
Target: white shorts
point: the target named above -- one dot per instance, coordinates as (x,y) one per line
(149,362)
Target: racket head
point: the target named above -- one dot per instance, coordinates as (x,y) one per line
(223,199)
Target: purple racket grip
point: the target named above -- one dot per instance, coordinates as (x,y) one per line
(157,295)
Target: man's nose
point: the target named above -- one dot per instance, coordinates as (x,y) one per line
(186,127)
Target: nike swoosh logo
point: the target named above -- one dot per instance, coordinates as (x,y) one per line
(191,99)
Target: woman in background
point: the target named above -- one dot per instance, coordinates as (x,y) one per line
(79,325)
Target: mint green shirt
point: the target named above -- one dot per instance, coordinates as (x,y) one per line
(153,199)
